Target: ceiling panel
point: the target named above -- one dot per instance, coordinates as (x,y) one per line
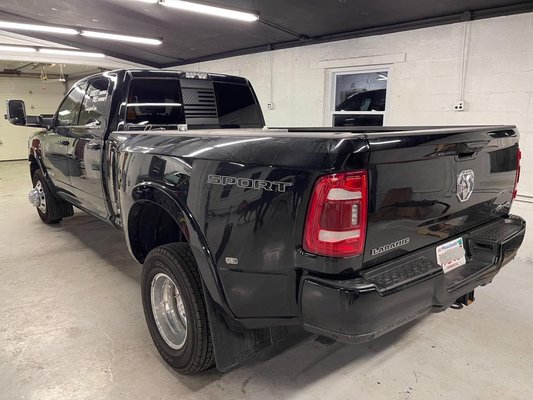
(190,37)
(25,67)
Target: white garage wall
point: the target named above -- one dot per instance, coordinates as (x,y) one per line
(425,69)
(40,98)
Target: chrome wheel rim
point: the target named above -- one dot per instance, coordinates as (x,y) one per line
(169,311)
(42,197)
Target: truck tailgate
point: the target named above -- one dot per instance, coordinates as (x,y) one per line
(425,187)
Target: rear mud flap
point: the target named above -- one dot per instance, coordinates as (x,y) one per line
(233,345)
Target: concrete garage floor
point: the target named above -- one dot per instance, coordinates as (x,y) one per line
(72,327)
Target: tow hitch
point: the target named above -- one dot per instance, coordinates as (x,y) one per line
(464,300)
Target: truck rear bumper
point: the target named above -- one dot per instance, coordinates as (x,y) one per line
(392,294)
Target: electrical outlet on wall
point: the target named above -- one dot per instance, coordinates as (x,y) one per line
(270,106)
(459,105)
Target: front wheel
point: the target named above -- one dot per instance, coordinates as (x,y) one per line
(175,309)
(49,208)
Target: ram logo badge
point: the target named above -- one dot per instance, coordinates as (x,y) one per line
(390,246)
(465,185)
(247,183)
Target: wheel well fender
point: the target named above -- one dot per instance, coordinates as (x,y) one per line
(34,165)
(36,161)
(157,217)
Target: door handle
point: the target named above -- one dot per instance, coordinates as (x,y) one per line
(94,146)
(63,142)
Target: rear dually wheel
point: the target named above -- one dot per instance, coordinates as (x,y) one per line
(175,308)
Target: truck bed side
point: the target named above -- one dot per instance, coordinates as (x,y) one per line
(245,194)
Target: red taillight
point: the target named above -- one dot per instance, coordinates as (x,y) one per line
(517,177)
(336,218)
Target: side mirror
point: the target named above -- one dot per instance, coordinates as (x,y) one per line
(16,112)
(47,121)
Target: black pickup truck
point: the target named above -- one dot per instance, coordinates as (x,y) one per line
(243,231)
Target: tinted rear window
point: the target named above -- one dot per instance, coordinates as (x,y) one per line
(163,102)
(236,105)
(154,102)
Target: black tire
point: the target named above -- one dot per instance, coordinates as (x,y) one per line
(55,209)
(176,261)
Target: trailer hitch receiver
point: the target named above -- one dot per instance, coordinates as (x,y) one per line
(464,300)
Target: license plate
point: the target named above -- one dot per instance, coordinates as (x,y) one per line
(451,255)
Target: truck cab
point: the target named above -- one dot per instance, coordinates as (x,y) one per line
(72,150)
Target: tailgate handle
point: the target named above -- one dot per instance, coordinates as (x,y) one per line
(470,150)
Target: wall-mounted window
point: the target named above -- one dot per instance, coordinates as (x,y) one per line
(358,97)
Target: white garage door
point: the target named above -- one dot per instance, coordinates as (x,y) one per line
(41,97)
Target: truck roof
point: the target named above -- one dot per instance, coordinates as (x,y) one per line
(150,72)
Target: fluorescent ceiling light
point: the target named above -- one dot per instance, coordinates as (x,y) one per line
(71,31)
(37,28)
(71,53)
(121,38)
(210,10)
(18,49)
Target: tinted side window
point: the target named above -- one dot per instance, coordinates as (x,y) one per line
(69,111)
(94,102)
(236,105)
(154,102)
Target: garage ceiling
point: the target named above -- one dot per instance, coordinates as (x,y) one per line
(52,71)
(190,37)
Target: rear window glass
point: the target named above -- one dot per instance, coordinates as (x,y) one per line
(154,102)
(236,105)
